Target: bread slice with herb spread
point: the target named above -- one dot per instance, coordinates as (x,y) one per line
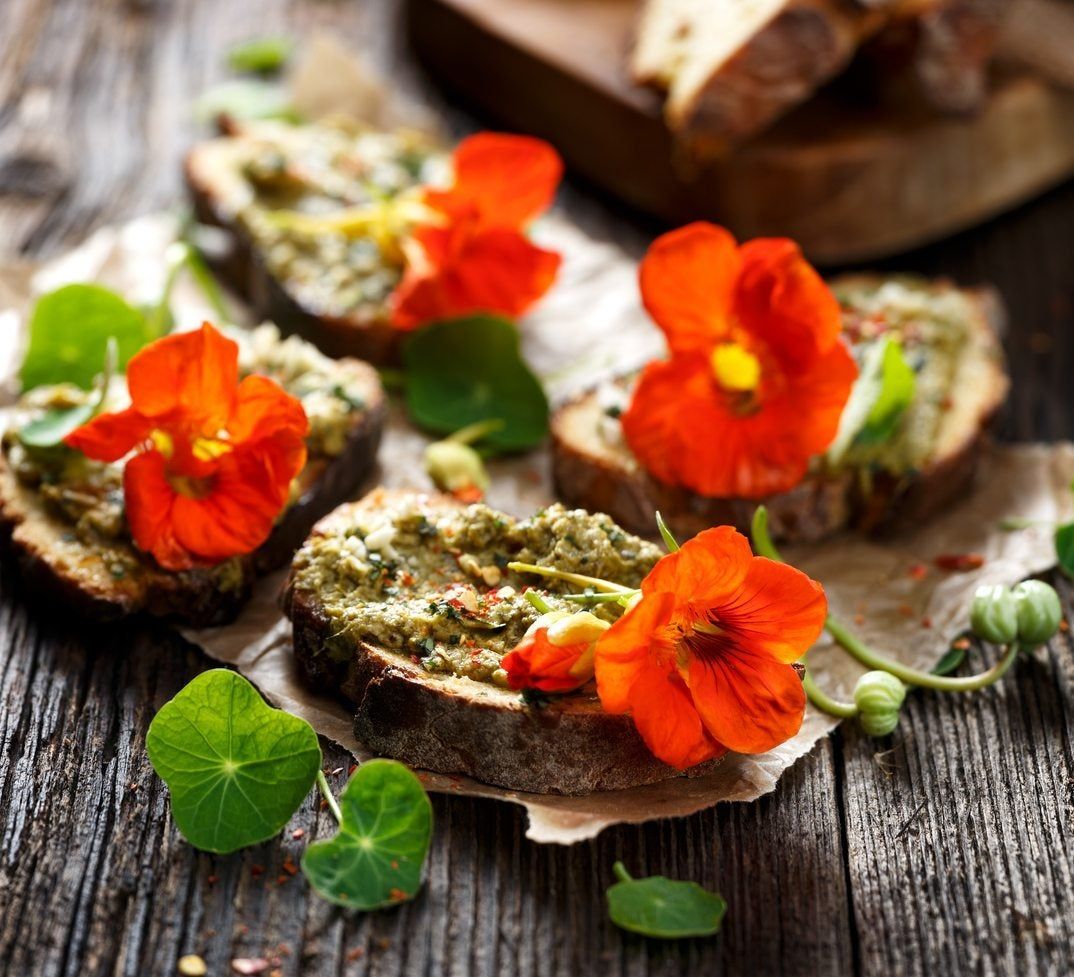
(402,603)
(949,338)
(65,518)
(328,286)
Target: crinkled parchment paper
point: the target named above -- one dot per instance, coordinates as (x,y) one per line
(589,327)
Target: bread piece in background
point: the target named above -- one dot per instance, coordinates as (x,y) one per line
(731,67)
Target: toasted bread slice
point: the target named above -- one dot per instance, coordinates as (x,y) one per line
(731,68)
(327,287)
(929,463)
(63,514)
(386,646)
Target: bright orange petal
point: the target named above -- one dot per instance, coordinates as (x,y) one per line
(664,713)
(687,285)
(497,271)
(747,701)
(263,409)
(537,663)
(509,180)
(626,648)
(108,437)
(706,570)
(777,610)
(193,374)
(150,502)
(780,298)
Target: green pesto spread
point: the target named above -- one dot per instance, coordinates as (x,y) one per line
(88,495)
(315,171)
(433,585)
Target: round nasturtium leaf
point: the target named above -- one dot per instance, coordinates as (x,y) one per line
(665,908)
(462,371)
(69,333)
(376,858)
(237,769)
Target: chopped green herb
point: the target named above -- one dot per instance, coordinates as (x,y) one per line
(1064,548)
(260,55)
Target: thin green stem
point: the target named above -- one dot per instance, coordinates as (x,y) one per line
(763,546)
(476,431)
(1013,524)
(824,702)
(201,274)
(621,873)
(606,586)
(537,601)
(619,597)
(669,540)
(326,793)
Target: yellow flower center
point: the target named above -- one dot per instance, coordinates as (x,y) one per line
(209,449)
(736,369)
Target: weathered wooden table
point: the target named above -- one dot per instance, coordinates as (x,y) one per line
(946,853)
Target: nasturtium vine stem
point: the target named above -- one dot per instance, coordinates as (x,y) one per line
(577,578)
(537,601)
(621,872)
(763,546)
(824,702)
(329,799)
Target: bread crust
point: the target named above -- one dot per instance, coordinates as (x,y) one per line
(459,726)
(60,567)
(370,338)
(587,475)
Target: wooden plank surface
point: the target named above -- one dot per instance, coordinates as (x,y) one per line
(942,850)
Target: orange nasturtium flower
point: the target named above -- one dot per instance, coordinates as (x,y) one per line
(556,654)
(758,374)
(213,458)
(703,661)
(473,254)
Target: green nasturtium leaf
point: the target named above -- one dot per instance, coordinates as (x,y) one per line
(69,333)
(462,371)
(376,858)
(884,389)
(237,769)
(954,657)
(1064,547)
(53,426)
(246,99)
(664,908)
(260,55)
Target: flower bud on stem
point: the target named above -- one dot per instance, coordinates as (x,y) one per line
(763,546)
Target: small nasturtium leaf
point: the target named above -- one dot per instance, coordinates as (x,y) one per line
(376,858)
(69,333)
(955,656)
(462,371)
(53,426)
(237,769)
(884,389)
(663,908)
(260,55)
(1064,548)
(246,99)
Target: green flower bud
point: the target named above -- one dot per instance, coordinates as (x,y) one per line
(994,614)
(455,467)
(1039,612)
(878,696)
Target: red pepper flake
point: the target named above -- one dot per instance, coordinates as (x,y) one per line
(397,895)
(1063,625)
(468,495)
(919,571)
(351,769)
(859,619)
(356,954)
(289,866)
(298,833)
(395,863)
(906,610)
(926,622)
(281,879)
(959,562)
(212,879)
(257,870)
(961,644)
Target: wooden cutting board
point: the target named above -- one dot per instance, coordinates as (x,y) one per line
(850,181)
